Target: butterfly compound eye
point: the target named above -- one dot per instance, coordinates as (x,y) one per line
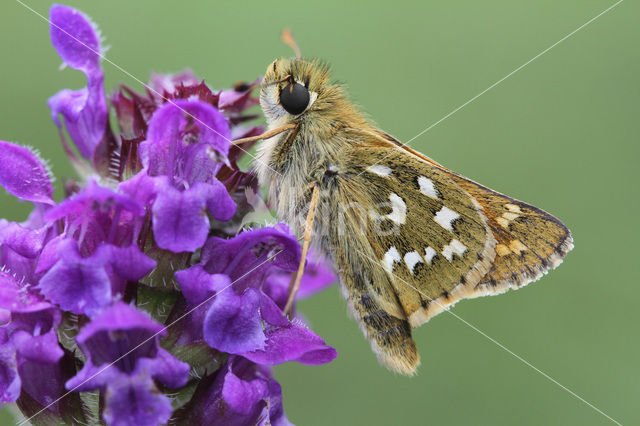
(294,98)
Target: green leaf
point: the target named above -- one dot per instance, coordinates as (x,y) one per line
(202,358)
(156,302)
(162,276)
(67,332)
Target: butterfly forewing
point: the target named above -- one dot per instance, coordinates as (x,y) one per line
(529,241)
(428,234)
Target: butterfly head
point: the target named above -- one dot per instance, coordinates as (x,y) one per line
(293,88)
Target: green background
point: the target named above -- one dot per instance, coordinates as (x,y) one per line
(562,134)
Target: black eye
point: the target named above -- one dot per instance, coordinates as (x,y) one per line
(294,98)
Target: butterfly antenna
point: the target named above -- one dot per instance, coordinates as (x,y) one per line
(287,37)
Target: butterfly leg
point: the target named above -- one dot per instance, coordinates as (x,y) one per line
(265,135)
(294,286)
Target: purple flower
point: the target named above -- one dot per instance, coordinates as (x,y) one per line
(185,142)
(242,319)
(242,393)
(123,360)
(86,267)
(155,224)
(28,343)
(84,111)
(86,285)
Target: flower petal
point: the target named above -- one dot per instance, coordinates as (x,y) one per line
(290,342)
(75,38)
(16,298)
(242,396)
(94,197)
(9,379)
(220,203)
(166,368)
(128,263)
(232,323)
(24,175)
(239,395)
(197,284)
(258,251)
(183,139)
(135,401)
(275,412)
(179,219)
(120,316)
(77,284)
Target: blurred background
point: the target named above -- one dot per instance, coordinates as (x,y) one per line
(561,133)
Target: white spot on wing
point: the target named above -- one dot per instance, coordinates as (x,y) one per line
(380,170)
(390,257)
(454,247)
(427,187)
(412,259)
(513,208)
(445,218)
(399,213)
(429,254)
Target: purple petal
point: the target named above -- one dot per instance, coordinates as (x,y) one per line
(24,241)
(85,115)
(44,382)
(94,197)
(16,298)
(257,251)
(121,343)
(77,284)
(294,343)
(34,335)
(318,275)
(50,254)
(128,263)
(24,175)
(75,38)
(239,395)
(9,379)
(220,203)
(290,342)
(232,323)
(183,140)
(275,414)
(179,219)
(242,396)
(197,284)
(143,187)
(135,401)
(98,215)
(166,368)
(120,316)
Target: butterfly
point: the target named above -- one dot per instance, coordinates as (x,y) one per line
(407,237)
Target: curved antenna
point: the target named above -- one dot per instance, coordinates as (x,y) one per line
(287,37)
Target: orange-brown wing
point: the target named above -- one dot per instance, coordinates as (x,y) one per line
(529,241)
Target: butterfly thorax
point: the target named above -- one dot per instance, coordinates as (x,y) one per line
(288,163)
